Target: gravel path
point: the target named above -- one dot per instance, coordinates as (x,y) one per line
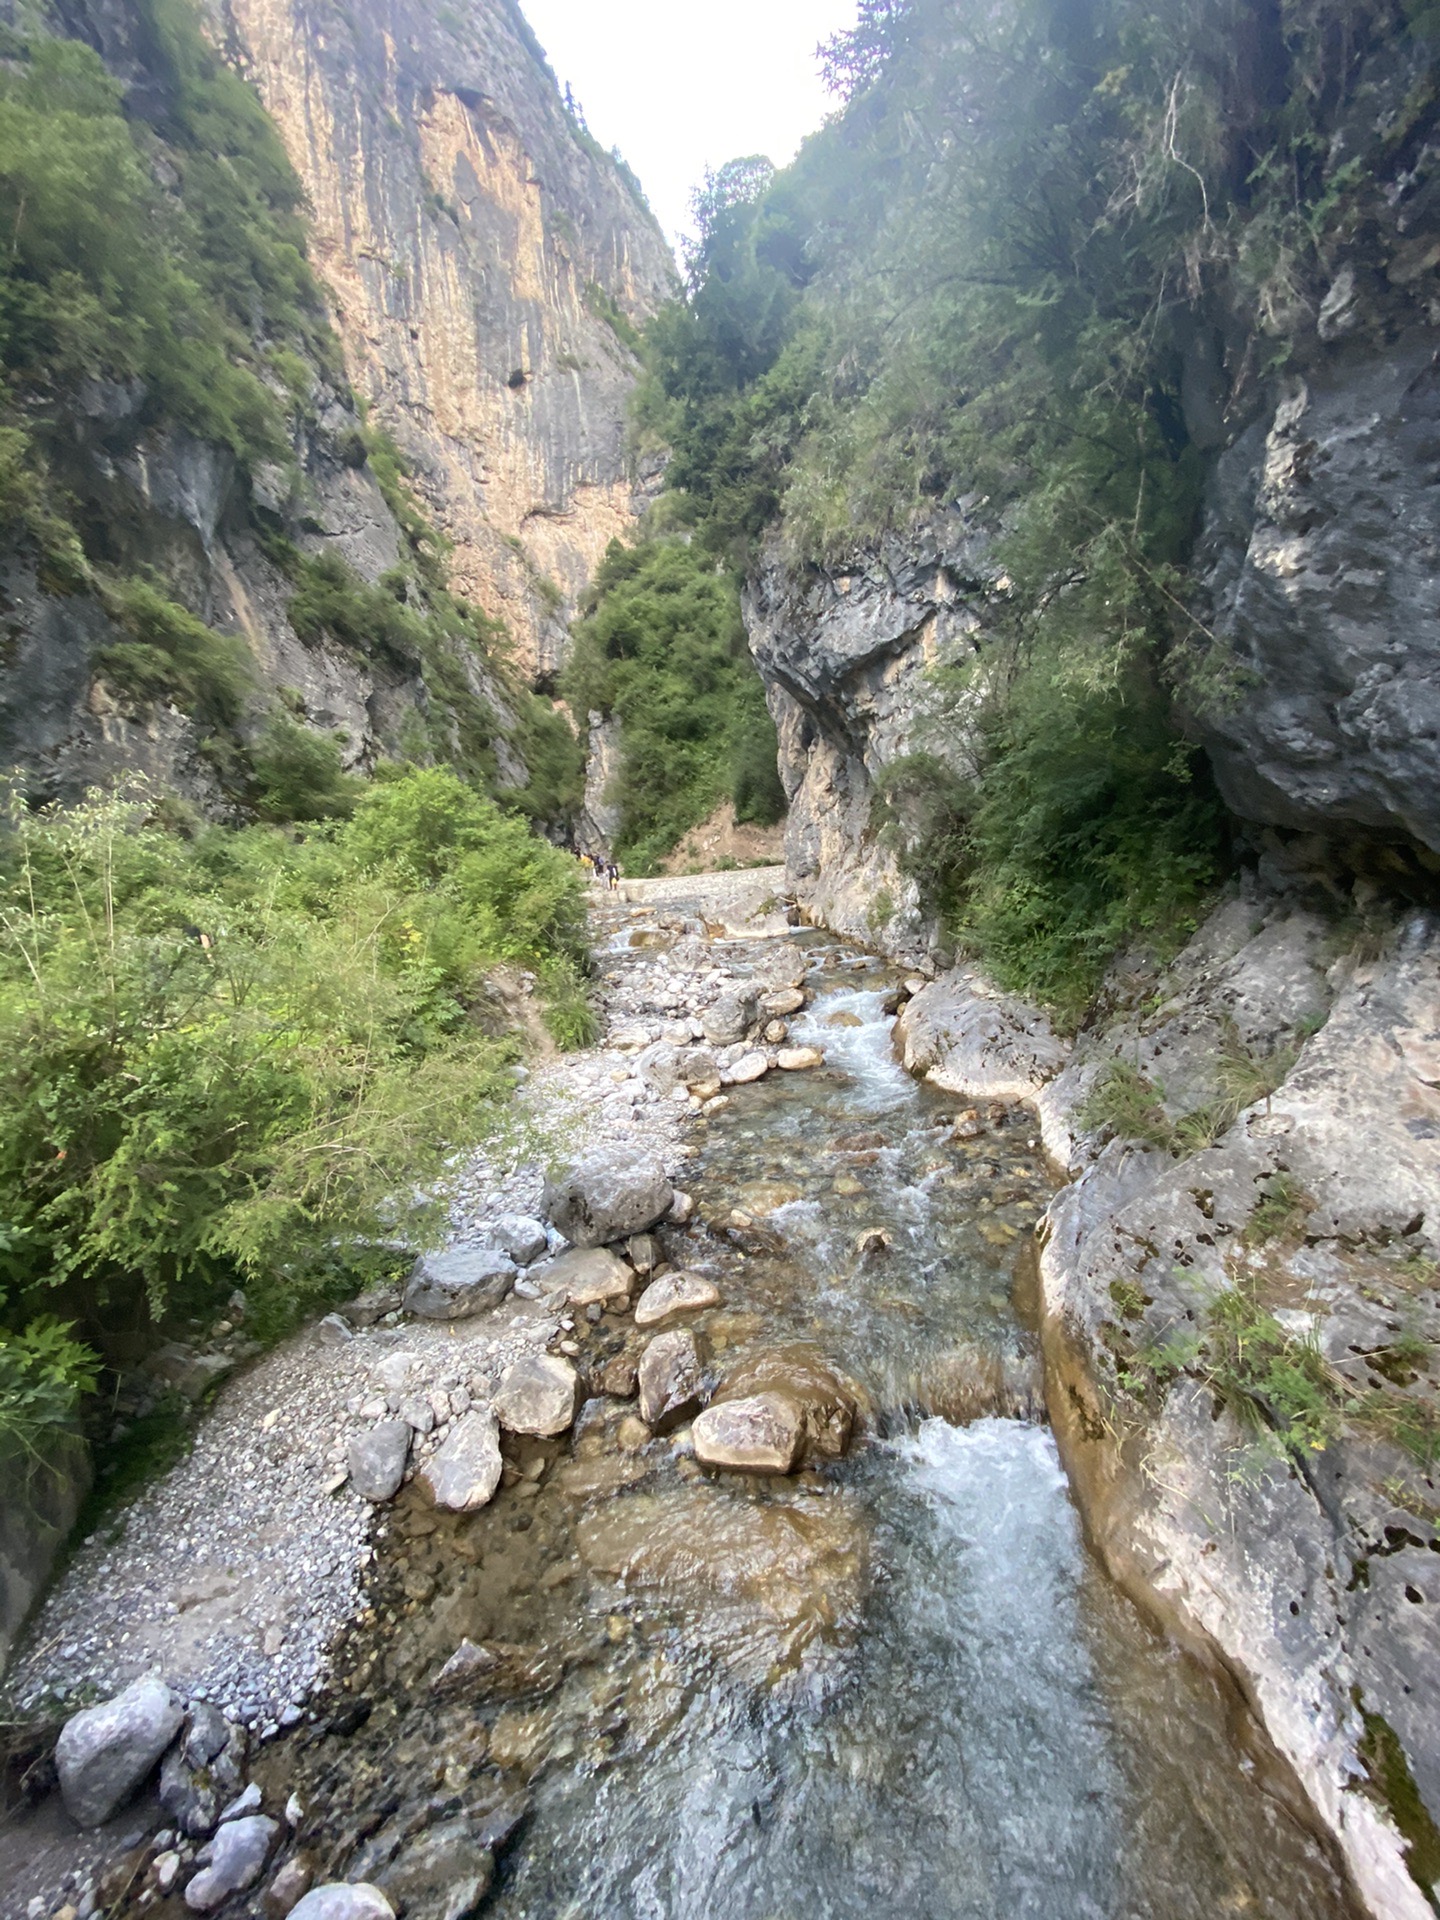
(232,1573)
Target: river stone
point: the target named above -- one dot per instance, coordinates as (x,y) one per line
(104,1753)
(764,1434)
(671,1382)
(608,1196)
(783,1001)
(731,1017)
(538,1395)
(827,1401)
(377,1460)
(750,1066)
(587,1275)
(672,1295)
(517,1235)
(796,1059)
(289,1884)
(366,1308)
(459,1282)
(336,1901)
(443,1874)
(237,1857)
(464,1474)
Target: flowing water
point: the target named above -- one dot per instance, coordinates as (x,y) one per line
(897,1684)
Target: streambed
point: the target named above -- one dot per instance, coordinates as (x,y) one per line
(895,1683)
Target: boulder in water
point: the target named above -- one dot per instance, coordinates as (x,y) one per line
(538,1395)
(797,1059)
(464,1474)
(731,1017)
(105,1753)
(671,1377)
(827,1403)
(762,1434)
(674,1295)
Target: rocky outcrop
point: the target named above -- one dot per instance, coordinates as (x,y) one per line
(488,264)
(1320,562)
(1240,1320)
(845,654)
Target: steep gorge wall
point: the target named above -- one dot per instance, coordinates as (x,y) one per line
(474,241)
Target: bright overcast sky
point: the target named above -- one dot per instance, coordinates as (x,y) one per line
(680,86)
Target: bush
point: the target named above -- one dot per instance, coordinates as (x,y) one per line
(299,775)
(174,656)
(233,1060)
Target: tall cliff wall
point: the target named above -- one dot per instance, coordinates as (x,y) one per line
(487,262)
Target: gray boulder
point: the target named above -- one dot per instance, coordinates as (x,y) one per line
(377,1460)
(337,1901)
(672,1296)
(459,1282)
(105,1753)
(464,1474)
(763,1434)
(731,1017)
(202,1770)
(538,1395)
(587,1276)
(234,1860)
(671,1379)
(608,1196)
(517,1235)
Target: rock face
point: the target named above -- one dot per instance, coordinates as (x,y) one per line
(608,1196)
(105,1753)
(1320,563)
(1295,1535)
(464,1474)
(459,1282)
(843,654)
(487,263)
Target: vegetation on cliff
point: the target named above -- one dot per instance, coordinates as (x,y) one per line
(1044,259)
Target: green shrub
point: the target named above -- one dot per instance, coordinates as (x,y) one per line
(175,656)
(299,774)
(231,1059)
(44,1373)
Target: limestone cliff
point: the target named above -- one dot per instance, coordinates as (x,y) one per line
(487,262)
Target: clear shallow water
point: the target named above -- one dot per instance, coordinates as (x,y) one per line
(898,1685)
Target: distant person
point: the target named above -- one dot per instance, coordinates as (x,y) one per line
(613,875)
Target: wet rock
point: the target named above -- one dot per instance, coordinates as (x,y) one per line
(826,1401)
(464,1474)
(618,1379)
(750,1066)
(797,1059)
(459,1282)
(674,1295)
(105,1753)
(586,1276)
(337,1901)
(519,1742)
(608,1196)
(378,1458)
(731,1017)
(538,1395)
(498,1669)
(872,1243)
(782,1001)
(671,1381)
(632,1435)
(762,1434)
(288,1886)
(234,1860)
(968,1125)
(441,1875)
(682,1209)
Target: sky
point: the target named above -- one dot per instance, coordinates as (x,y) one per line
(680,86)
